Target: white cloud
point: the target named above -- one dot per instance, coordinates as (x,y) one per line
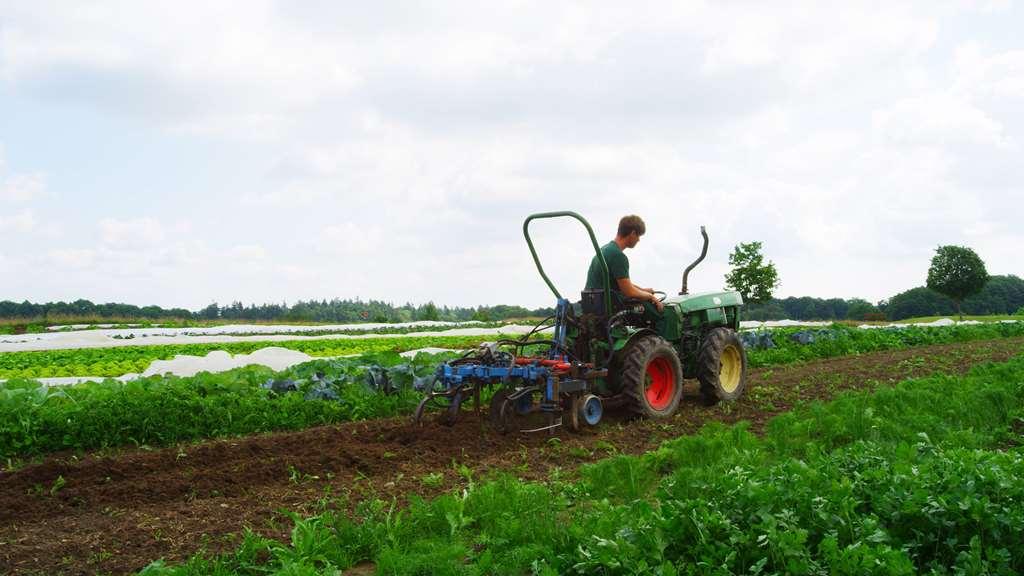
(73,258)
(394,151)
(247,252)
(23,221)
(20,187)
(937,119)
(132,234)
(991,75)
(23,187)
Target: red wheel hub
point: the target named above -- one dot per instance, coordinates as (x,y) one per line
(661,384)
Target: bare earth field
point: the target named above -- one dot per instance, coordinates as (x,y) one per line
(115,512)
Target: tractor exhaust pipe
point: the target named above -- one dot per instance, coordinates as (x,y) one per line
(703,253)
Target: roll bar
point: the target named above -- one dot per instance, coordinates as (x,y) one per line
(593,240)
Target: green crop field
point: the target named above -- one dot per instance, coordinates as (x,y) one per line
(161,410)
(926,477)
(923,477)
(135,359)
(121,360)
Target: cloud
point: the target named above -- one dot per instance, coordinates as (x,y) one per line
(990,75)
(75,259)
(132,234)
(20,187)
(937,119)
(393,152)
(22,222)
(23,187)
(246,252)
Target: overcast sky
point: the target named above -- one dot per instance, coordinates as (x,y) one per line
(180,153)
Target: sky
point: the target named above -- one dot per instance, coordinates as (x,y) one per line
(183,153)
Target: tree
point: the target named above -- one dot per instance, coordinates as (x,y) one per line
(956,272)
(428,311)
(750,276)
(211,312)
(860,309)
(917,302)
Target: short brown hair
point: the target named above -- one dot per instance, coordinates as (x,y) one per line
(630,223)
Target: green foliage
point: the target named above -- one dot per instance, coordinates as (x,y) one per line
(859,309)
(161,410)
(127,359)
(428,312)
(750,276)
(917,302)
(844,340)
(925,477)
(956,272)
(336,310)
(1000,295)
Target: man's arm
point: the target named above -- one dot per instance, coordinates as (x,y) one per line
(630,290)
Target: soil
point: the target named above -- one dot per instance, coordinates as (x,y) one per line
(116,511)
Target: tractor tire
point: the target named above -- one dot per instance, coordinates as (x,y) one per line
(721,366)
(652,377)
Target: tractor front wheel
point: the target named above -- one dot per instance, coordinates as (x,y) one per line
(652,377)
(721,366)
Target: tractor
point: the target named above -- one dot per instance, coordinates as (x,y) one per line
(597,353)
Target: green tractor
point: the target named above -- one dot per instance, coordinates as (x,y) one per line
(603,351)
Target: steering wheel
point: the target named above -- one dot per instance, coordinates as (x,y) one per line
(662,297)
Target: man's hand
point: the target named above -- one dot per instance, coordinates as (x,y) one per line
(657,303)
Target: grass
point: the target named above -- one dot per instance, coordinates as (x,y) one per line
(923,477)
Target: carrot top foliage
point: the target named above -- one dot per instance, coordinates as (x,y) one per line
(925,477)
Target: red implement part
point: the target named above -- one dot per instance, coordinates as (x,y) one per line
(554,364)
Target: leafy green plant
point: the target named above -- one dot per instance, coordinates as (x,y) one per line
(135,359)
(162,410)
(912,479)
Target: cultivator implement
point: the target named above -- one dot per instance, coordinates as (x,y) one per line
(528,393)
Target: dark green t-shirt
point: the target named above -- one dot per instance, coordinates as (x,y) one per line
(618,267)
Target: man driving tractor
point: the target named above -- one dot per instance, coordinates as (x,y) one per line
(631,228)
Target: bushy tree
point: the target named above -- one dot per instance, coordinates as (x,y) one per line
(956,272)
(428,312)
(754,279)
(860,309)
(917,302)
(1001,295)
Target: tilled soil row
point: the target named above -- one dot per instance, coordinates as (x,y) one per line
(116,512)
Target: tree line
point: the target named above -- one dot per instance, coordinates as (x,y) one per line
(957,282)
(336,310)
(1000,295)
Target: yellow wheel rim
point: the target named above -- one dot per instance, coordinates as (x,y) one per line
(731,369)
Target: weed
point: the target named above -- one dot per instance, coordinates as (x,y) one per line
(58,484)
(296,476)
(579,452)
(432,480)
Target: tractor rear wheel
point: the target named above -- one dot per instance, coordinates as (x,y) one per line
(721,366)
(652,377)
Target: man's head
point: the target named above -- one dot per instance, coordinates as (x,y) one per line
(631,228)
